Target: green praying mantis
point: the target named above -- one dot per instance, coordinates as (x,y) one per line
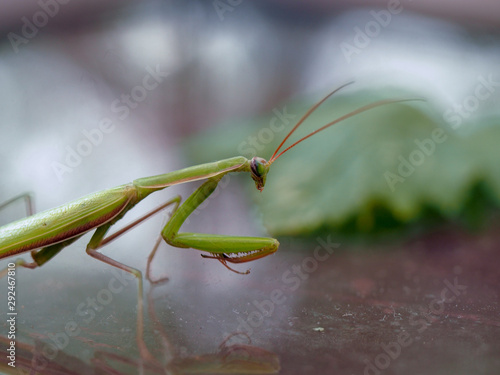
(45,234)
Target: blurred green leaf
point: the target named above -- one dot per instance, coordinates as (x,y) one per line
(392,166)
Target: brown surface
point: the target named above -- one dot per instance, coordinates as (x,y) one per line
(329,316)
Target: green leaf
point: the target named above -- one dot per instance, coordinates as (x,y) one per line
(390,167)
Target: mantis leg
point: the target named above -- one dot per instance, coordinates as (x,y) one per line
(95,243)
(98,240)
(232,249)
(28,200)
(150,260)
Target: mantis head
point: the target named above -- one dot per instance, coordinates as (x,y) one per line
(259,167)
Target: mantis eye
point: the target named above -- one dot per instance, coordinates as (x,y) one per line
(258,166)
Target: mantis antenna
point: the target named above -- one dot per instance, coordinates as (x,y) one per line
(315,106)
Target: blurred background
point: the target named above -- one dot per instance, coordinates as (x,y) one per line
(96,94)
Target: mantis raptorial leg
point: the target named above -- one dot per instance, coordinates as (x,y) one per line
(52,230)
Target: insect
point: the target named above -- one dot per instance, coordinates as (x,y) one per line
(45,234)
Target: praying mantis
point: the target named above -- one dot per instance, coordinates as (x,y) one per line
(45,234)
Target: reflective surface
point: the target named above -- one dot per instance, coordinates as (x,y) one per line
(429,304)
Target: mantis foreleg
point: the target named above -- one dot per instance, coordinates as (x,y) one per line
(224,248)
